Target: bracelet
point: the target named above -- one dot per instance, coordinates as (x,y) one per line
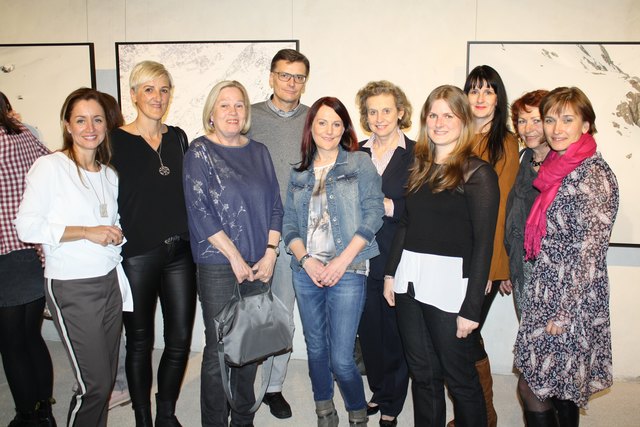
(303,260)
(388,277)
(275,248)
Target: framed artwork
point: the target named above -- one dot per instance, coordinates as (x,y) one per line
(609,74)
(37,78)
(195,68)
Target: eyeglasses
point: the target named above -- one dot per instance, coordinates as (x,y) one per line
(285,77)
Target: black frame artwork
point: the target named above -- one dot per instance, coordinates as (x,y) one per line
(196,66)
(37,78)
(608,73)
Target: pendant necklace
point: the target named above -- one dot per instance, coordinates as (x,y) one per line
(163,170)
(103,205)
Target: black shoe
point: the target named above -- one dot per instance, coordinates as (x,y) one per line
(372,410)
(389,423)
(277,404)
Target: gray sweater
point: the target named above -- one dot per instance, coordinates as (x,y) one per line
(281,135)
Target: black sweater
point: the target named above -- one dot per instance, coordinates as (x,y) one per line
(459,223)
(151,205)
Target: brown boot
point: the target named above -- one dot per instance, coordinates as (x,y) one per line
(486,381)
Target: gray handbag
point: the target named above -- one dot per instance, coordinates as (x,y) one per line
(251,328)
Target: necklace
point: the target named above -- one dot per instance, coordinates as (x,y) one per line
(534,163)
(163,170)
(103,205)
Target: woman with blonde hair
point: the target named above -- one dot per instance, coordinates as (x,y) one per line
(439,261)
(235,219)
(148,156)
(385,111)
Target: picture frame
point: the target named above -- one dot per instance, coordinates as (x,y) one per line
(195,68)
(608,73)
(37,78)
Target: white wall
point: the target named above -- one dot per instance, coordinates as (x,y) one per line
(417,44)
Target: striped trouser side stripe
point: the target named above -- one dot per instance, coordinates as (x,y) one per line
(64,335)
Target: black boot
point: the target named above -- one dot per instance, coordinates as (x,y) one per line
(45,413)
(25,419)
(166,413)
(143,416)
(568,412)
(547,418)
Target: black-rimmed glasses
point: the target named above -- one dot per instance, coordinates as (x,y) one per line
(285,77)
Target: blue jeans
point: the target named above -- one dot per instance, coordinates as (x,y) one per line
(216,284)
(330,318)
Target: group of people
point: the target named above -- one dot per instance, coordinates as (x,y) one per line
(402,243)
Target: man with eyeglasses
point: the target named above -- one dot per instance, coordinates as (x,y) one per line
(278,123)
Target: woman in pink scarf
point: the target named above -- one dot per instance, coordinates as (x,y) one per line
(563,348)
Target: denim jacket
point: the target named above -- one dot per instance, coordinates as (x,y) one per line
(355,203)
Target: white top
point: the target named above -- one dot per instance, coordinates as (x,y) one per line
(437,280)
(55,197)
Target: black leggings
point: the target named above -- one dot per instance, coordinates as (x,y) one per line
(167,272)
(26,359)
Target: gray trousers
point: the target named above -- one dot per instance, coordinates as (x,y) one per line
(88,316)
(282,287)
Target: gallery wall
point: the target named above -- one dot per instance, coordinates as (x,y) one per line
(417,44)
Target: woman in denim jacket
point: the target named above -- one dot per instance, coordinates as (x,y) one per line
(334,208)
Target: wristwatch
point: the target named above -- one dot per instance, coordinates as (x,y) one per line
(276,249)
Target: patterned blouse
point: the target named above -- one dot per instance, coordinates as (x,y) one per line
(569,285)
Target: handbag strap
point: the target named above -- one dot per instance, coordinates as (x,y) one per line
(267,367)
(182,138)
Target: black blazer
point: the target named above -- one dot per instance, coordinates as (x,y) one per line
(394,181)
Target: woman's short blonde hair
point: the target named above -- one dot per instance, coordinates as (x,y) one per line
(207,124)
(146,71)
(384,87)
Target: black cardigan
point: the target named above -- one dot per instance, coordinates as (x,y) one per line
(394,181)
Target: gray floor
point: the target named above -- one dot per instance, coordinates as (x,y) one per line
(619,406)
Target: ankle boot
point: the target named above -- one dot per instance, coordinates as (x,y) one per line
(327,415)
(44,411)
(25,419)
(166,413)
(358,418)
(486,381)
(143,416)
(547,418)
(568,412)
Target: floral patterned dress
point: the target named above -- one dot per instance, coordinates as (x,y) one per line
(569,284)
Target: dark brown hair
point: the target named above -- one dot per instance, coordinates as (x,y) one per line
(290,55)
(6,121)
(103,152)
(349,140)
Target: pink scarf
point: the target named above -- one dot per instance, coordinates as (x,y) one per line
(550,176)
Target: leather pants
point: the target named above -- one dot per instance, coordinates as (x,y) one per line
(166,272)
